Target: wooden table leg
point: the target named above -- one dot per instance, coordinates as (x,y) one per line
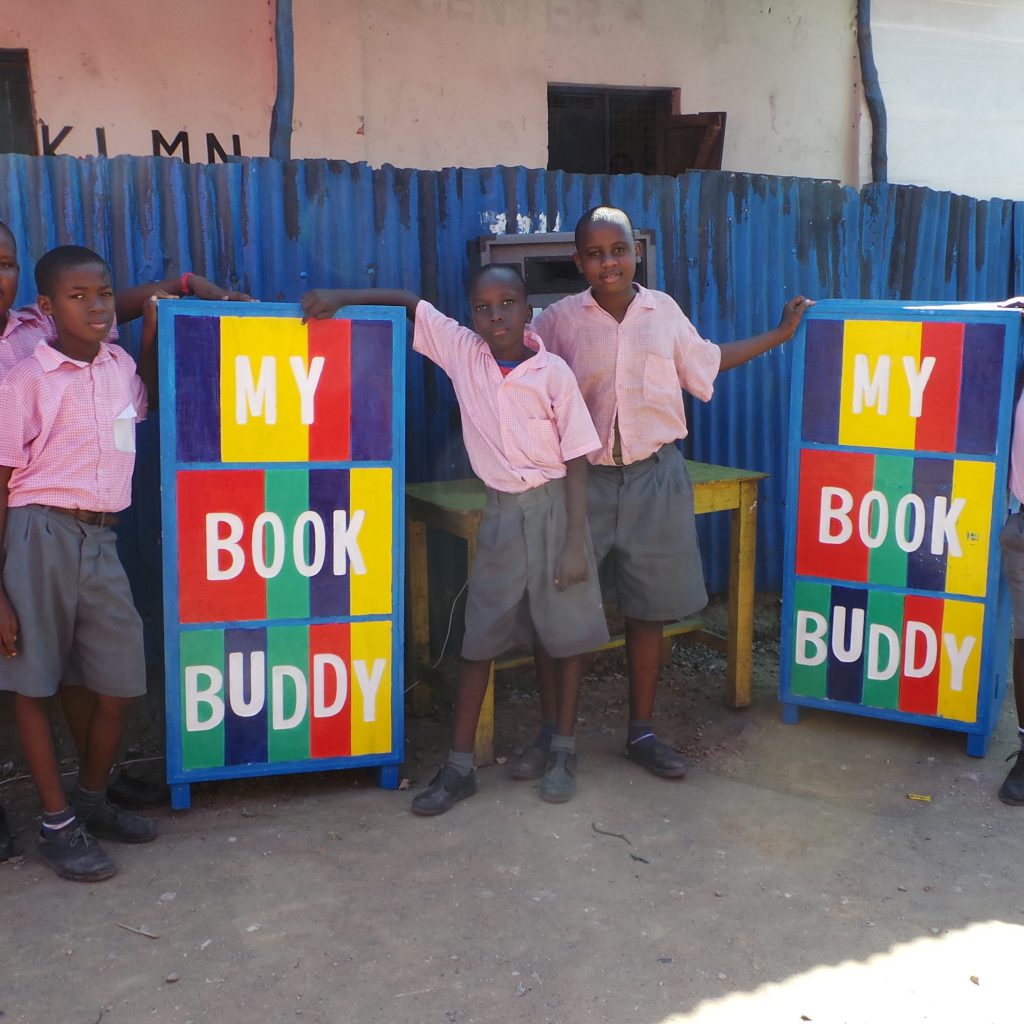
(483,748)
(742,557)
(419,613)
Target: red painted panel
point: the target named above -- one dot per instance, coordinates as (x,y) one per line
(225,491)
(920,695)
(936,428)
(855,473)
(329,433)
(330,737)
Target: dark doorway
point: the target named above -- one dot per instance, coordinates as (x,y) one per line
(17,125)
(596,130)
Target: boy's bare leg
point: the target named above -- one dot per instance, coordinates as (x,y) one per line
(546,671)
(559,782)
(570,681)
(643,661)
(534,758)
(1012,789)
(473,679)
(103,738)
(40,755)
(456,780)
(78,704)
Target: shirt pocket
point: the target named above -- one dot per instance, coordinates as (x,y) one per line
(544,445)
(661,382)
(124,429)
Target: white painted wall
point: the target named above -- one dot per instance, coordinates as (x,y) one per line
(434,83)
(952,74)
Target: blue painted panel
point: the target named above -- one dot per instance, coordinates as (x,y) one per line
(731,248)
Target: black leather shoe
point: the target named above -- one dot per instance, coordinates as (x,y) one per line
(559,782)
(1012,789)
(657,757)
(6,839)
(446,789)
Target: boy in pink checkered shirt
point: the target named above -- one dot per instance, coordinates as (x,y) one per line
(634,352)
(21,330)
(67,450)
(527,433)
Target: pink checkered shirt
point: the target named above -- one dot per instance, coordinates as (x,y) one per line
(519,430)
(634,371)
(68,429)
(26,327)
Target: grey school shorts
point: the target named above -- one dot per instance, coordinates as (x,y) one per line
(76,620)
(512,595)
(1011,544)
(645,537)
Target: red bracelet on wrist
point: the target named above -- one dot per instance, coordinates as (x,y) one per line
(185,279)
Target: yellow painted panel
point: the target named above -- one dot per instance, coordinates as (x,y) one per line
(973,482)
(256,351)
(371,668)
(878,347)
(370,491)
(962,623)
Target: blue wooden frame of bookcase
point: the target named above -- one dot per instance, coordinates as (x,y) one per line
(179,777)
(995,667)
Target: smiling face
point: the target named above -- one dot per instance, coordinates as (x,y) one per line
(497,300)
(606,255)
(81,302)
(8,273)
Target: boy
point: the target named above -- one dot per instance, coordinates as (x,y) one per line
(1011,544)
(20,331)
(67,441)
(527,433)
(634,352)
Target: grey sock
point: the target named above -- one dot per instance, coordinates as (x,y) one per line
(543,737)
(85,801)
(461,762)
(638,730)
(56,821)
(566,743)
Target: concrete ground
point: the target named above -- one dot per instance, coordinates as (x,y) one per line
(789,878)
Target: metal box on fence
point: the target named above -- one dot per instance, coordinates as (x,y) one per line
(546,263)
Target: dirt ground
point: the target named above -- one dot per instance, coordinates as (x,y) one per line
(788,878)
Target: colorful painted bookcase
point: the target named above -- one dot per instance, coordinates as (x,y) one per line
(893,603)
(282,480)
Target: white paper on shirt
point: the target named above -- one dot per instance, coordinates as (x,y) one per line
(124,429)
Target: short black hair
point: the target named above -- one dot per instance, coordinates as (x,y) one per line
(5,230)
(63,258)
(504,269)
(608,214)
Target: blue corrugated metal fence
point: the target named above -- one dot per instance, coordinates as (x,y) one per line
(731,249)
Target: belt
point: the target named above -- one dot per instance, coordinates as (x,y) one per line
(83,515)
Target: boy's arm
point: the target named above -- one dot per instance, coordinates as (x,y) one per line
(146,365)
(572,562)
(323,303)
(8,618)
(735,353)
(130,303)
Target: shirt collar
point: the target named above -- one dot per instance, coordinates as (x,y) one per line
(51,359)
(22,316)
(644,297)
